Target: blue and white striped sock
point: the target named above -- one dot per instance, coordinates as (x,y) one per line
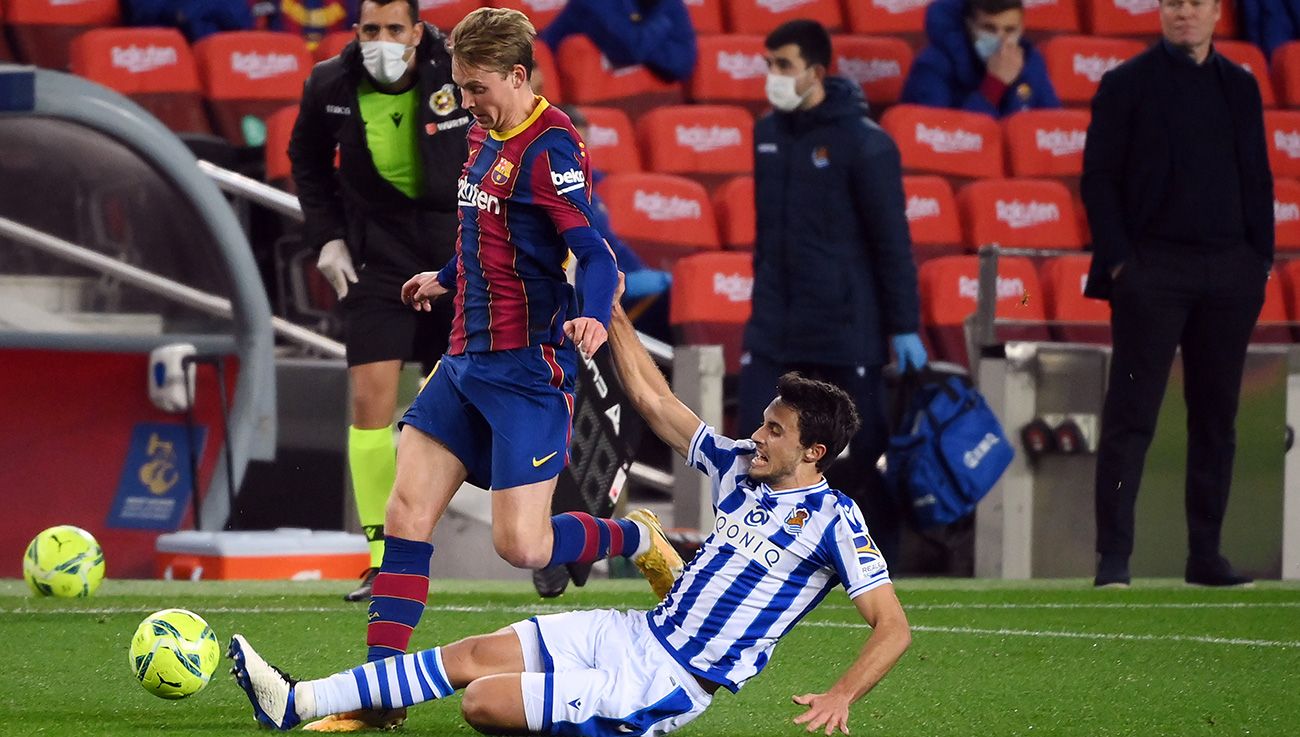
(402,680)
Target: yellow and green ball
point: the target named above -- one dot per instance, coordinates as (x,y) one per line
(174,653)
(63,561)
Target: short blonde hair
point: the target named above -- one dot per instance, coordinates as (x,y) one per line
(494,39)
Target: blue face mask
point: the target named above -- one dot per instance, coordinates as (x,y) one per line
(986,44)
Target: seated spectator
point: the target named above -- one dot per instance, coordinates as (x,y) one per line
(979,60)
(1270,23)
(655,33)
(311,19)
(193,18)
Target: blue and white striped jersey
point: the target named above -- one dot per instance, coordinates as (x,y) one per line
(771,558)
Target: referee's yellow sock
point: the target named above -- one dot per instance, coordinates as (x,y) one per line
(373,462)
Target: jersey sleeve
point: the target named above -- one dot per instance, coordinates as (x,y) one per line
(561,183)
(716,456)
(850,551)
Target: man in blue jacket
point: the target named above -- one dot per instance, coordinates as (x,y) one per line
(655,33)
(833,269)
(979,60)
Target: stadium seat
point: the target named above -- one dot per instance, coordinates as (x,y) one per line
(250,74)
(1252,58)
(661,216)
(763,16)
(279,128)
(590,80)
(332,45)
(544,65)
(1289,273)
(1286,73)
(42,30)
(949,288)
(711,298)
(1075,318)
(1052,16)
(1286,213)
(611,140)
(1282,127)
(706,16)
(904,18)
(1046,143)
(6,53)
(1272,327)
(540,12)
(152,66)
(1076,63)
(709,143)
(1019,213)
(949,142)
(730,70)
(932,217)
(445,14)
(1122,17)
(878,63)
(733,205)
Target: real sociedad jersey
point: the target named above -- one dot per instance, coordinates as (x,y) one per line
(518,192)
(771,558)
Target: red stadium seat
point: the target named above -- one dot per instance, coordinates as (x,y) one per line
(711,298)
(661,216)
(1052,16)
(730,70)
(611,140)
(1076,63)
(540,12)
(733,205)
(1019,213)
(1289,273)
(152,66)
(1252,58)
(893,17)
(42,30)
(878,63)
(1282,128)
(706,16)
(1286,73)
(949,288)
(590,80)
(1046,143)
(250,73)
(1122,17)
(950,142)
(279,128)
(1286,213)
(6,53)
(710,143)
(445,14)
(332,45)
(1271,327)
(932,217)
(1075,318)
(546,78)
(763,16)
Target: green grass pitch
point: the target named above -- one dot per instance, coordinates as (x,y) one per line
(988,658)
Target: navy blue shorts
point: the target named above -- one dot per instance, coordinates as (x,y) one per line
(507,415)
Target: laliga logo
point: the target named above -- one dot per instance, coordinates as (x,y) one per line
(781,6)
(735,287)
(972,457)
(658,207)
(261,66)
(1059,142)
(1019,214)
(919,208)
(469,195)
(949,142)
(137,60)
(600,137)
(969,287)
(1138,7)
(864,71)
(1287,143)
(898,7)
(1286,212)
(1092,67)
(740,66)
(701,139)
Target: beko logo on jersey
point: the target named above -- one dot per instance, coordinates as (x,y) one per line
(569,180)
(469,195)
(750,543)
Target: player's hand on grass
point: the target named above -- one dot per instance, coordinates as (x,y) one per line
(825,710)
(587,334)
(422,290)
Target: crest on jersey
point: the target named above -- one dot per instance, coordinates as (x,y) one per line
(443,101)
(794,521)
(501,172)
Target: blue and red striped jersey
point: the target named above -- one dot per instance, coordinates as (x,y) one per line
(519,192)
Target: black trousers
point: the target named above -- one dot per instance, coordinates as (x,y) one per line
(863,482)
(1206,302)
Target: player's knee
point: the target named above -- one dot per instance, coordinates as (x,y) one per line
(522,553)
(476,706)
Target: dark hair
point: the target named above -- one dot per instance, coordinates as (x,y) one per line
(992,7)
(412,5)
(810,36)
(826,413)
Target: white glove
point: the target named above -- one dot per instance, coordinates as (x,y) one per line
(336,264)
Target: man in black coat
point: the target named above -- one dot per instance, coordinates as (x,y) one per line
(388,106)
(1180,200)
(833,269)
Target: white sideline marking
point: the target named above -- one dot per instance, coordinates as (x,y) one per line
(1084,635)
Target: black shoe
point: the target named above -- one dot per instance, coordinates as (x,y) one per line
(579,572)
(362,592)
(1112,572)
(551,581)
(1215,571)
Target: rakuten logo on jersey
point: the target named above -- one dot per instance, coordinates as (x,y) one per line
(866,71)
(969,287)
(1060,142)
(262,66)
(920,208)
(1092,66)
(1019,214)
(943,141)
(601,137)
(741,66)
(469,195)
(735,287)
(1286,212)
(898,7)
(702,140)
(1138,7)
(138,60)
(1288,142)
(659,207)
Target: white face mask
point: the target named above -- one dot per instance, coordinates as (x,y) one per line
(986,44)
(385,60)
(781,92)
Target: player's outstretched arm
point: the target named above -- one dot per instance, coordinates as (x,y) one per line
(646,386)
(889,639)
